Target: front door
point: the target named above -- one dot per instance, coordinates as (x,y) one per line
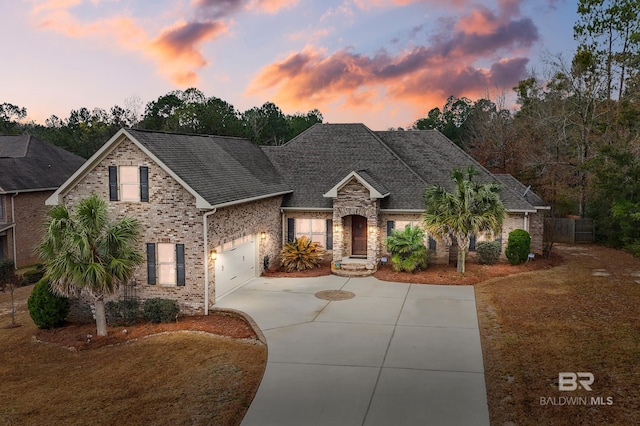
(359,236)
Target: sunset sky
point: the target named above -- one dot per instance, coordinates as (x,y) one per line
(384,63)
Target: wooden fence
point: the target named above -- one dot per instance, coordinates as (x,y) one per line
(572,231)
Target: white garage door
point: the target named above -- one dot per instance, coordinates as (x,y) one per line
(235,265)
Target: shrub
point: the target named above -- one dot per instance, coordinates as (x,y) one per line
(47,310)
(488,252)
(7,270)
(518,246)
(301,254)
(122,312)
(33,275)
(408,252)
(158,310)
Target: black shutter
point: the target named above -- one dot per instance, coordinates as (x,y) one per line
(113,183)
(499,239)
(432,244)
(329,234)
(180,264)
(144,183)
(390,226)
(151,263)
(291,230)
(472,243)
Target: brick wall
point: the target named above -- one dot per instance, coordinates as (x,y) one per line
(30,212)
(170,216)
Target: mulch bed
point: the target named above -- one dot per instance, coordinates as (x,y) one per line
(83,336)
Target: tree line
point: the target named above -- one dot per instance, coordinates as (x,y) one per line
(188,111)
(576,134)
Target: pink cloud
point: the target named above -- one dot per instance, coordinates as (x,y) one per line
(447,66)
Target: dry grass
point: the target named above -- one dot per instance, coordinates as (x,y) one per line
(537,324)
(167,379)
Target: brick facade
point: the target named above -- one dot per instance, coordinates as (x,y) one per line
(30,216)
(171,216)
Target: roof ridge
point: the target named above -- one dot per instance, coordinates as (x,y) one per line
(168,132)
(395,154)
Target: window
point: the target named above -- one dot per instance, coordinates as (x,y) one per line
(129,183)
(165,264)
(401,224)
(314,229)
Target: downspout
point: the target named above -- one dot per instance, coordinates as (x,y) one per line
(13,219)
(282,216)
(526,221)
(206,259)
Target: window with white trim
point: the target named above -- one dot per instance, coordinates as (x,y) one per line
(314,229)
(129,183)
(165,264)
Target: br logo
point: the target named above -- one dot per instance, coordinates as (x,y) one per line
(575,381)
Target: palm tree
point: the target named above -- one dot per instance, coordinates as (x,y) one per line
(84,251)
(408,252)
(470,209)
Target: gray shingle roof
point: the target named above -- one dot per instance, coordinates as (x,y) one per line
(511,182)
(402,163)
(221,169)
(317,159)
(29,164)
(433,156)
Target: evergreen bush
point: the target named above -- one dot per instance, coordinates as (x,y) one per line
(47,310)
(122,312)
(408,252)
(159,310)
(488,252)
(7,270)
(518,246)
(33,275)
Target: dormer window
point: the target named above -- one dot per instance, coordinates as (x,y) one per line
(129,183)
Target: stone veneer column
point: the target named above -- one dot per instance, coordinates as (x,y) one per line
(354,199)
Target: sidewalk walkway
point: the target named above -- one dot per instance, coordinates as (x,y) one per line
(395,354)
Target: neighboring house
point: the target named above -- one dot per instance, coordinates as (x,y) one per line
(216,210)
(30,170)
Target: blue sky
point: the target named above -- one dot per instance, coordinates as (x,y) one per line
(381,62)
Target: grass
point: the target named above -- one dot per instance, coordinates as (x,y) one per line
(167,379)
(537,324)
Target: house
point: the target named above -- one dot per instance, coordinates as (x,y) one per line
(218,209)
(30,170)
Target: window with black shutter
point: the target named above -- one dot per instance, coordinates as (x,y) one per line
(151,263)
(291,229)
(329,245)
(390,226)
(472,243)
(432,244)
(144,184)
(113,183)
(180,270)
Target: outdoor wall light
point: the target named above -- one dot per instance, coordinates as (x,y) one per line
(213,255)
(371,228)
(263,235)
(336,227)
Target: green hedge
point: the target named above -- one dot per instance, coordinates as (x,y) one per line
(160,310)
(488,252)
(122,312)
(518,246)
(47,310)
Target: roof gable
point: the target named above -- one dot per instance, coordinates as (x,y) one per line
(376,190)
(217,171)
(29,164)
(321,156)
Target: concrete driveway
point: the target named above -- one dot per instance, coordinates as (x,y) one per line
(395,354)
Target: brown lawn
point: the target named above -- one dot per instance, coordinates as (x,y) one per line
(201,377)
(563,314)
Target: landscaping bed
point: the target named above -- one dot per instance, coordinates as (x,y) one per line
(152,374)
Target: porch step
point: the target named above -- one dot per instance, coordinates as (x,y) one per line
(354,268)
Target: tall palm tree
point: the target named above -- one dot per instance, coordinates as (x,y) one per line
(471,208)
(85,251)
